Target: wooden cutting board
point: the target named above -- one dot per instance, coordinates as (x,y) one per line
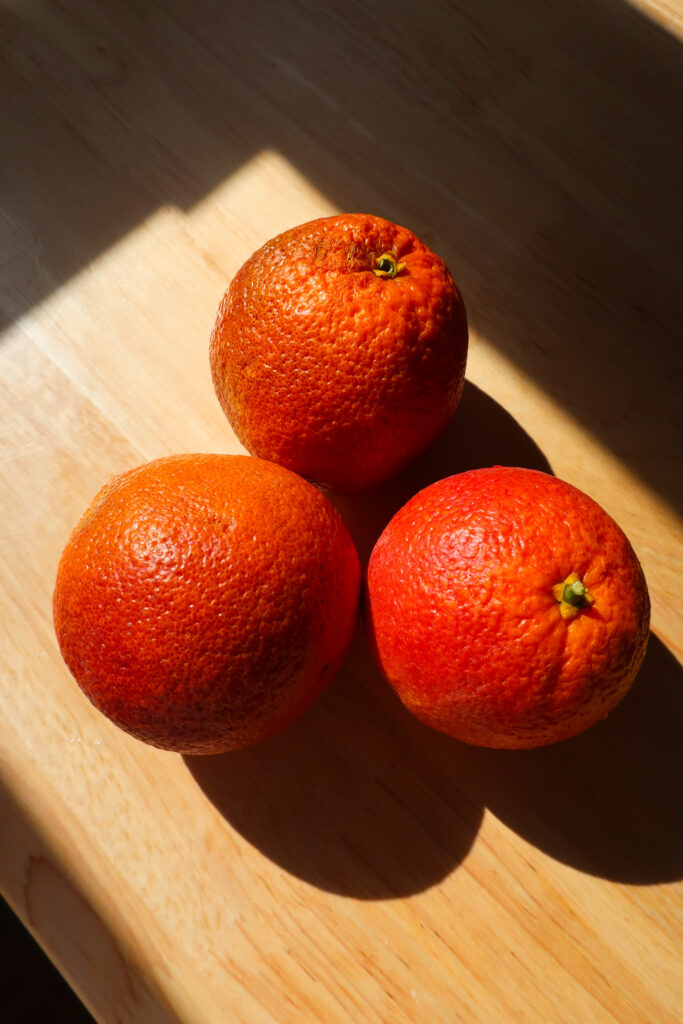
(360,867)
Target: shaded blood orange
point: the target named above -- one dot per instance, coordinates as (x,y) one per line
(507,608)
(339,349)
(204,601)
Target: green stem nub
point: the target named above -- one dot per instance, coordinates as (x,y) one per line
(572,595)
(388,265)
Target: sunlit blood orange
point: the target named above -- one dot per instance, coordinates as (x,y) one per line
(507,608)
(204,601)
(339,349)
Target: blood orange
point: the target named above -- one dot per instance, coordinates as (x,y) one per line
(204,601)
(339,349)
(507,608)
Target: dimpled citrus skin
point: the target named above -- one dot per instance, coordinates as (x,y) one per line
(464,622)
(331,370)
(204,601)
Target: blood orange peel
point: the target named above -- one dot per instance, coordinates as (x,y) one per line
(506,608)
(204,601)
(339,349)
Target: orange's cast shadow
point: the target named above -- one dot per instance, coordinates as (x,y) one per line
(361,799)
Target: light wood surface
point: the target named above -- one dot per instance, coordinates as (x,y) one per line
(359,868)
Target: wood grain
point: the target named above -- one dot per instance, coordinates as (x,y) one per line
(359,867)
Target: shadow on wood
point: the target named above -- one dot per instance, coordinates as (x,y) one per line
(537,149)
(609,801)
(98,961)
(361,799)
(353,799)
(34,988)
